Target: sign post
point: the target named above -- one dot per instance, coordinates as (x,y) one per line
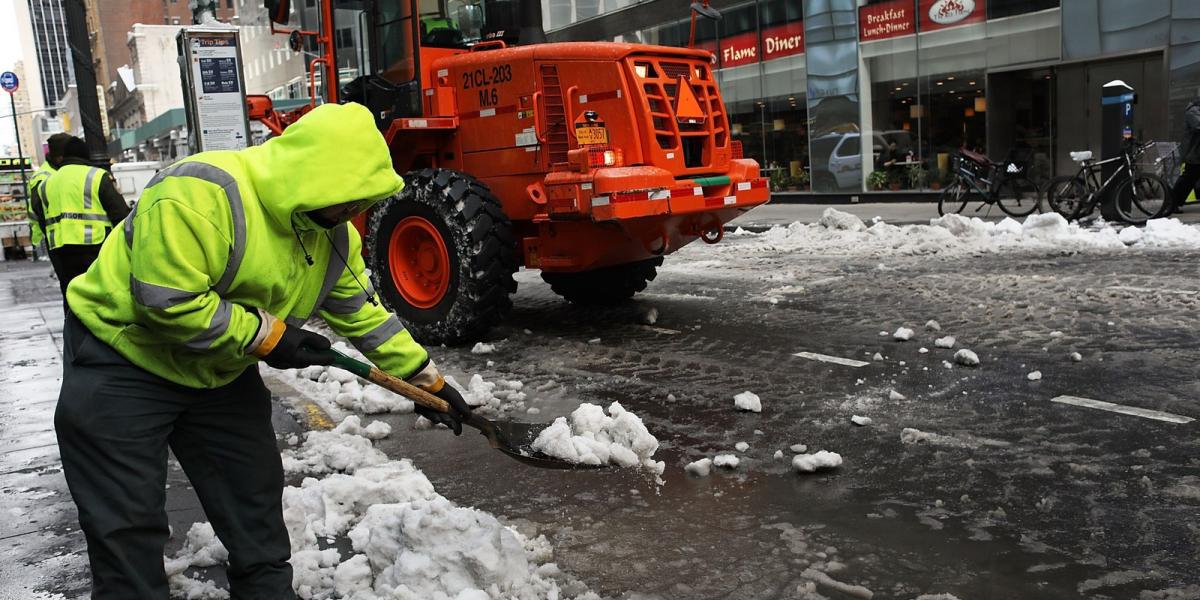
(214,88)
(10,83)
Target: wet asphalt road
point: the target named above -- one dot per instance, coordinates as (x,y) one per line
(1016,497)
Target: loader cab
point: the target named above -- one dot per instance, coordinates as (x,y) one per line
(380,46)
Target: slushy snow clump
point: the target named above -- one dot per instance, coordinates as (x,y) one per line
(591,437)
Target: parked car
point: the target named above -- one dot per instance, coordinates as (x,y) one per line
(837,157)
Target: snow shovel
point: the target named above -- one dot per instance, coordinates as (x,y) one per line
(513,439)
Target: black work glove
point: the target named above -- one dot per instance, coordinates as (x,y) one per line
(459,409)
(298,348)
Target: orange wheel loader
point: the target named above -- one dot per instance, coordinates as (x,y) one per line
(590,161)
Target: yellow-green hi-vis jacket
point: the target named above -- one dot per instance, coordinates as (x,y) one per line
(74,214)
(214,237)
(31,194)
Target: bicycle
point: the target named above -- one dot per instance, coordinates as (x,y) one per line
(1139,196)
(979,179)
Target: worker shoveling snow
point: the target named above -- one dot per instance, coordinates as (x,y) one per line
(407,540)
(590,437)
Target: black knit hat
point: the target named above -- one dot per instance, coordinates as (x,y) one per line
(75,148)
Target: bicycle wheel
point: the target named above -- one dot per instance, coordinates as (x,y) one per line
(953,198)
(1018,197)
(1066,196)
(1143,198)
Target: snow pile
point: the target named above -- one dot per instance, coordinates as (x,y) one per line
(726,460)
(492,398)
(594,438)
(903,334)
(945,342)
(408,541)
(482,348)
(822,459)
(741,446)
(201,548)
(838,232)
(748,401)
(347,392)
(966,357)
(860,421)
(699,468)
(1167,233)
(895,396)
(1034,376)
(650,317)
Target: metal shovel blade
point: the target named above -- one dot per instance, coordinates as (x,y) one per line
(516,440)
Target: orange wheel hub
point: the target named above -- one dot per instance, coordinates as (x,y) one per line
(419,262)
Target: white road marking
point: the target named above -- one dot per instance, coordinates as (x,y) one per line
(1127,288)
(837,360)
(661,330)
(1157,415)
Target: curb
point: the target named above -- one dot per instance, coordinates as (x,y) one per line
(307,413)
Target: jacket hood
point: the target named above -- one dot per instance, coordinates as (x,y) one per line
(331,155)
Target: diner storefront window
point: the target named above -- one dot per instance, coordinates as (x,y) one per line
(865,95)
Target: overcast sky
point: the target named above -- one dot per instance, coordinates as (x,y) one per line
(10,52)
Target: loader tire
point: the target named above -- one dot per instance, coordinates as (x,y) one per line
(442,256)
(604,287)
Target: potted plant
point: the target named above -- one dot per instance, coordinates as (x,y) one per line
(802,179)
(916,177)
(894,179)
(934,176)
(779,180)
(876,180)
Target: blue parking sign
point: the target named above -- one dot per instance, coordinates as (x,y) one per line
(8,81)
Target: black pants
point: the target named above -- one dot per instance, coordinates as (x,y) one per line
(1186,183)
(114,423)
(71,261)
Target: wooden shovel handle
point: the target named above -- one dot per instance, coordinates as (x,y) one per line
(395,384)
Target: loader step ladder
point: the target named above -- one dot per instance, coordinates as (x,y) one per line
(556,115)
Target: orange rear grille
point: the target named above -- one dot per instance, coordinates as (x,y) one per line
(660,88)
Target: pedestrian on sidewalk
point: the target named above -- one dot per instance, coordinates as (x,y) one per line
(1189,153)
(225,256)
(55,146)
(77,206)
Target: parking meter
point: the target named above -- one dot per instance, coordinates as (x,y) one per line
(1116,127)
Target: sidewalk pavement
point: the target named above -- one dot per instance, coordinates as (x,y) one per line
(42,552)
(896,213)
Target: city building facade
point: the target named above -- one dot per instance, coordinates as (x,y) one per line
(808,83)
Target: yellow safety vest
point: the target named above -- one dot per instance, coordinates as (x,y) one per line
(74,214)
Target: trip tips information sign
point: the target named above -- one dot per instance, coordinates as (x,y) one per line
(220,104)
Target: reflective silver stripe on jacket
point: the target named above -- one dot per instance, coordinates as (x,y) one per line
(87,187)
(220,322)
(77,216)
(158,296)
(376,337)
(228,184)
(336,264)
(348,306)
(87,234)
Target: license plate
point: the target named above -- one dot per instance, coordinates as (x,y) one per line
(588,136)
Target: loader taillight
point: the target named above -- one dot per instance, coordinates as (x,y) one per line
(605,157)
(595,157)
